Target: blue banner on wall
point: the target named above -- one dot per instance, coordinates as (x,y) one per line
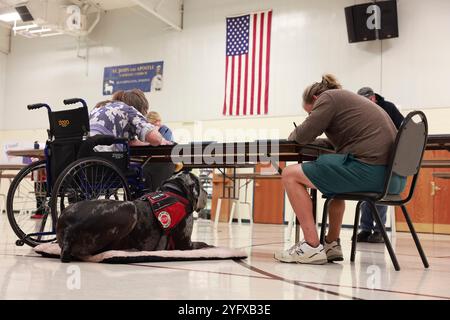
(145,76)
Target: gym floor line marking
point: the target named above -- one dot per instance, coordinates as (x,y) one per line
(204,271)
(294,282)
(269,276)
(344,286)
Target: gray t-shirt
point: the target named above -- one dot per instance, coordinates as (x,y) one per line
(352,124)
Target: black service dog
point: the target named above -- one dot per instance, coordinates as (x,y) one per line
(91,227)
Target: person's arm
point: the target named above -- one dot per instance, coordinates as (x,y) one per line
(145,131)
(395,115)
(316,123)
(156,139)
(325,143)
(138,143)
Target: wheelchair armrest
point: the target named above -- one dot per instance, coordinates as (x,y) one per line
(104,140)
(87,147)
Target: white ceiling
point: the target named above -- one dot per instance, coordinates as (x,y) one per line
(7,3)
(104,4)
(113,4)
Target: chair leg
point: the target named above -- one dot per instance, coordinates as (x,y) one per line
(355,230)
(218,209)
(376,216)
(324,221)
(415,237)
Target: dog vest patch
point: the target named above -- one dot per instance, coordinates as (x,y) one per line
(169,209)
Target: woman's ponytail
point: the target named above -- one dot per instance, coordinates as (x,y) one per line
(329,82)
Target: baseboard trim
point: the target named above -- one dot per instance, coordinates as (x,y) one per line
(349,226)
(419,227)
(344,226)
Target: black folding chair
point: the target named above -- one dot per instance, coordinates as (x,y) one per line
(405,161)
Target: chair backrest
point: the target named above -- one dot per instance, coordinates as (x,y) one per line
(410,145)
(67,130)
(409,148)
(72,123)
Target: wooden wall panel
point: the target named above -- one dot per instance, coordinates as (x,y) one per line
(429,211)
(218,193)
(268,199)
(442,198)
(421,207)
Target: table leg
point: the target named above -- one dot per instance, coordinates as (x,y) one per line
(234,183)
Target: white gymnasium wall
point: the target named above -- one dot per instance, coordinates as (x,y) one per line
(2,86)
(4,50)
(5,37)
(415,69)
(309,38)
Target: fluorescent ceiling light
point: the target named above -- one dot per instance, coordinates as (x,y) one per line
(40,30)
(29,26)
(51,34)
(10,17)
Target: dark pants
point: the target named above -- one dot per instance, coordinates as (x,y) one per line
(367,222)
(156,173)
(40,190)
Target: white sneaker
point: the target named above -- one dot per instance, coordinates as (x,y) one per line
(334,251)
(302,252)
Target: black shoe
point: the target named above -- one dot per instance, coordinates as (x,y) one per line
(363,236)
(376,237)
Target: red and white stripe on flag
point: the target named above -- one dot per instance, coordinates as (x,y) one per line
(248,64)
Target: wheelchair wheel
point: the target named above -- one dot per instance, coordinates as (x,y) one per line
(27,206)
(88,179)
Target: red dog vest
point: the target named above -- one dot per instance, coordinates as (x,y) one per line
(169,209)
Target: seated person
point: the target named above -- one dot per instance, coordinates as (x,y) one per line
(363,137)
(156,173)
(154,118)
(124,117)
(367,224)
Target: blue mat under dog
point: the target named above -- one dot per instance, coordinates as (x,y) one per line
(52,250)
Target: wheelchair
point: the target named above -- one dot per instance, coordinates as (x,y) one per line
(72,171)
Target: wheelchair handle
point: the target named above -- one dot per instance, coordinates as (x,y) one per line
(38,106)
(75,101)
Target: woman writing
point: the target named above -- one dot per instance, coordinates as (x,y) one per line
(363,137)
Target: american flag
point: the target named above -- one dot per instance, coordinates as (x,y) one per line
(248,64)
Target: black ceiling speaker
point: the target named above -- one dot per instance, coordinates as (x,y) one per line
(24,13)
(389,20)
(371,21)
